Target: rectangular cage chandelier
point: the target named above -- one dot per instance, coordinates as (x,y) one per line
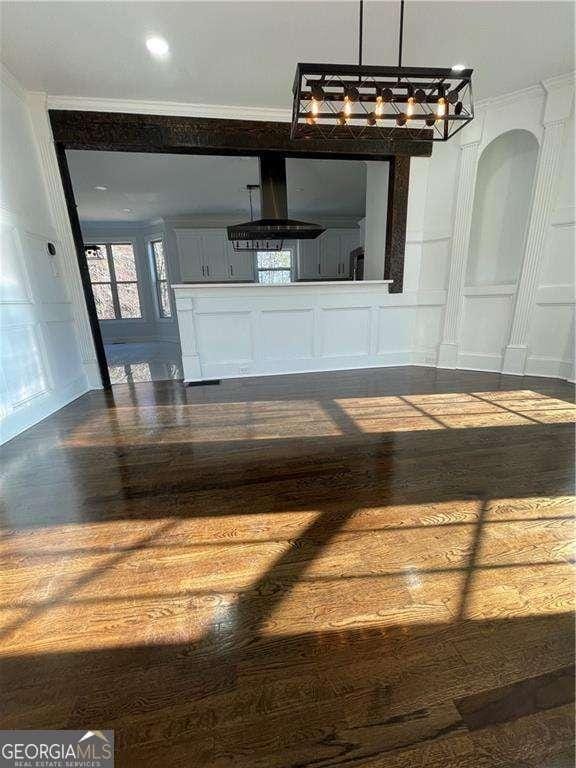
(355,101)
(365,102)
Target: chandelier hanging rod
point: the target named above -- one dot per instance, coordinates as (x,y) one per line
(360,32)
(401,34)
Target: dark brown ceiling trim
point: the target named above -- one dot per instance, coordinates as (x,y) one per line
(125,132)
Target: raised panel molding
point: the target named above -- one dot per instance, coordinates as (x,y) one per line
(345,331)
(22,354)
(289,331)
(15,287)
(555,294)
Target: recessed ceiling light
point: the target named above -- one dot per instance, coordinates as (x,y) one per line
(459,67)
(157,46)
(101,189)
(127,210)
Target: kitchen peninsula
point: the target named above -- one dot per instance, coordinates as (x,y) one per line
(254,329)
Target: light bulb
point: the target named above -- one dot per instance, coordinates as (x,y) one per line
(311,120)
(158,47)
(314,107)
(347,106)
(410,107)
(441,111)
(379,109)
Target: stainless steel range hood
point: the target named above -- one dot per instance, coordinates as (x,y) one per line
(274,224)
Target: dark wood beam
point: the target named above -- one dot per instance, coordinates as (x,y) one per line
(123,132)
(396,224)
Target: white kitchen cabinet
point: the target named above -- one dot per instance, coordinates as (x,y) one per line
(214,256)
(350,239)
(330,255)
(309,267)
(206,255)
(190,255)
(335,247)
(240,264)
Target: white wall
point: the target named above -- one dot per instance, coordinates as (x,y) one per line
(377,177)
(40,365)
(150,327)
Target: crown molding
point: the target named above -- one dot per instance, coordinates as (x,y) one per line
(560,81)
(11,82)
(505,99)
(171,108)
(559,98)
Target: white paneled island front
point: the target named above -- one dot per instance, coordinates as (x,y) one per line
(253,329)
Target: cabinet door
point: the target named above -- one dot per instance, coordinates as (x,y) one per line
(240,264)
(216,265)
(330,255)
(190,255)
(309,266)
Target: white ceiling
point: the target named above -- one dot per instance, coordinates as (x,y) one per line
(244,53)
(167,185)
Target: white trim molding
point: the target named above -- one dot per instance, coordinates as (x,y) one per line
(448,350)
(172,108)
(560,95)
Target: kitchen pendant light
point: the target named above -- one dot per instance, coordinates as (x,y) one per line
(355,101)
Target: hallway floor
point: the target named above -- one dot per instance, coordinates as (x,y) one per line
(137,362)
(362,568)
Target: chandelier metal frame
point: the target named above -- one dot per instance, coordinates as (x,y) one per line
(356,101)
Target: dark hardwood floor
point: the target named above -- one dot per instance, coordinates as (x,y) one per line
(361,568)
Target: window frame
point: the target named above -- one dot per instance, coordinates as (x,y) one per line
(113,282)
(156,280)
(258,269)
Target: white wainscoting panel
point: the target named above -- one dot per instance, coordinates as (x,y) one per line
(485,330)
(40,366)
(345,331)
(286,333)
(225,336)
(253,330)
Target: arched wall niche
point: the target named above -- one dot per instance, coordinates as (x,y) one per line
(501,211)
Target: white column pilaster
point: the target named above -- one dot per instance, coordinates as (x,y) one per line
(191,364)
(59,213)
(558,106)
(448,351)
